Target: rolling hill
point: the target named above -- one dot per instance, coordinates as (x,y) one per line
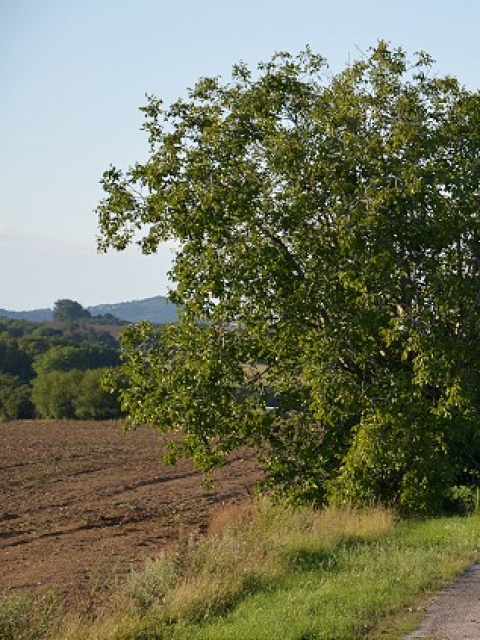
(158,310)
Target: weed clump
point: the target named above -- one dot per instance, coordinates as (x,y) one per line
(27,618)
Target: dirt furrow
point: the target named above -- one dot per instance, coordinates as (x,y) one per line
(81,503)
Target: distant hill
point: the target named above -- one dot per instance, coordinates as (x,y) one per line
(158,310)
(37,315)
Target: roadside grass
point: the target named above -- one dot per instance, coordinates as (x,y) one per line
(349,591)
(25,618)
(269,571)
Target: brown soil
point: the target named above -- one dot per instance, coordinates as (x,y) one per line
(81,503)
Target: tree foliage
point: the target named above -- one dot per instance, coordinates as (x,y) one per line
(54,393)
(74,394)
(15,400)
(92,401)
(77,358)
(14,360)
(66,310)
(328,234)
(83,357)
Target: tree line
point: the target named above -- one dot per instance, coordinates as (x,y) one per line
(55,370)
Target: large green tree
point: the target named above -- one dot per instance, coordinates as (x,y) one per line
(329,253)
(66,310)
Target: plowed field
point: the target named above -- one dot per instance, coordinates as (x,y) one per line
(82,502)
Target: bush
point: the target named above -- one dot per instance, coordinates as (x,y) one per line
(465,500)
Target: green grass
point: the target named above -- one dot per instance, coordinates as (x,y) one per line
(272,572)
(347,589)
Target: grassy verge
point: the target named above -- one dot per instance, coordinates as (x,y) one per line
(273,572)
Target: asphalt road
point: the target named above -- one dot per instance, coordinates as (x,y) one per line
(455,614)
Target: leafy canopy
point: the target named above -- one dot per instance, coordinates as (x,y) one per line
(66,310)
(328,233)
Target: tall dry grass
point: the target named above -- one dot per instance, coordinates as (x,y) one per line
(249,548)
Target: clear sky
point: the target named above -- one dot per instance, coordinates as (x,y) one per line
(73,74)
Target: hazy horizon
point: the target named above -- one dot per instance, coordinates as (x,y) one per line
(86,306)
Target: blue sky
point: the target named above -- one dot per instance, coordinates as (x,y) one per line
(74,73)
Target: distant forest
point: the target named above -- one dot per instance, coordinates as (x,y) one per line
(54,368)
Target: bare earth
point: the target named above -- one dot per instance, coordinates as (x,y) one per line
(455,614)
(81,503)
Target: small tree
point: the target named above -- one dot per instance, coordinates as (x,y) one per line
(329,253)
(54,394)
